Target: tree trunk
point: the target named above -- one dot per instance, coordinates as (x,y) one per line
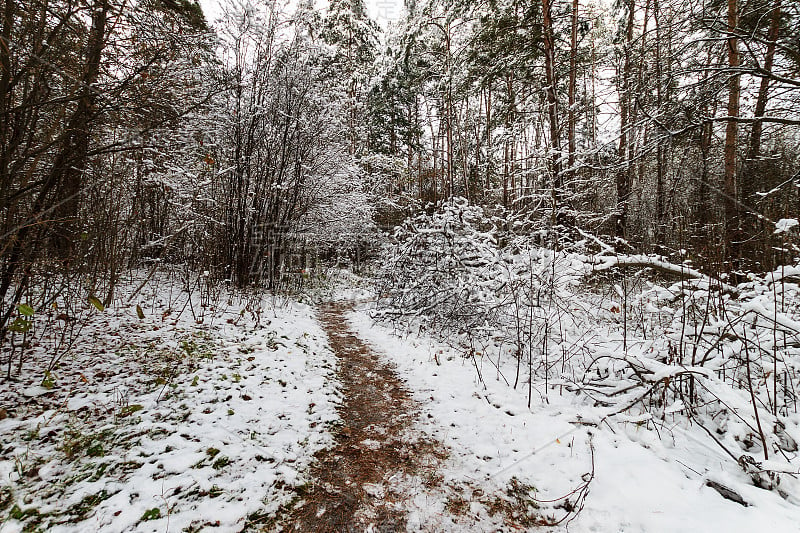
(5,98)
(730,180)
(552,107)
(623,178)
(573,56)
(752,169)
(763,91)
(70,164)
(661,150)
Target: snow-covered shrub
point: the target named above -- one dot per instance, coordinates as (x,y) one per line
(631,346)
(447,273)
(726,359)
(442,268)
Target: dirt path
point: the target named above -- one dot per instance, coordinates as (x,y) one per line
(358,482)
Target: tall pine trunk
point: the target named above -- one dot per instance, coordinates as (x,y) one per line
(732,234)
(552,108)
(573,55)
(752,168)
(623,177)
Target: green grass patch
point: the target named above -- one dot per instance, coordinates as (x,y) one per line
(77,444)
(151,514)
(87,504)
(130,409)
(221,463)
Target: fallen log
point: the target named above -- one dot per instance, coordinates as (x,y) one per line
(605,262)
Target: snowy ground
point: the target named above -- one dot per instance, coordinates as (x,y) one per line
(205,415)
(636,480)
(200,415)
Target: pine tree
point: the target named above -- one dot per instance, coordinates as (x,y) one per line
(353,38)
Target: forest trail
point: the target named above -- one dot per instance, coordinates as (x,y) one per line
(358,484)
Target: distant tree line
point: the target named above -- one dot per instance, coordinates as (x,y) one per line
(665,125)
(134,136)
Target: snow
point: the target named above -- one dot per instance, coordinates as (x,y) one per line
(210,417)
(250,397)
(785,225)
(642,481)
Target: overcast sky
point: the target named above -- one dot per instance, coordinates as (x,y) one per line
(382,11)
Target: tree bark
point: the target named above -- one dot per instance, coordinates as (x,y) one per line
(623,178)
(573,56)
(732,236)
(552,108)
(763,90)
(661,151)
(752,168)
(70,164)
(5,96)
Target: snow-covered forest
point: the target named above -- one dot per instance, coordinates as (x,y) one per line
(507,265)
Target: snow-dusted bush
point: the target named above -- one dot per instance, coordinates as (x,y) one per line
(631,347)
(447,273)
(442,268)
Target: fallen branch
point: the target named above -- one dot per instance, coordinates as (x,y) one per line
(606,262)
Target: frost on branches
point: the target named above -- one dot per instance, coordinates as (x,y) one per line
(636,339)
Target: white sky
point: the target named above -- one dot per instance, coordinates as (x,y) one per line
(382,11)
